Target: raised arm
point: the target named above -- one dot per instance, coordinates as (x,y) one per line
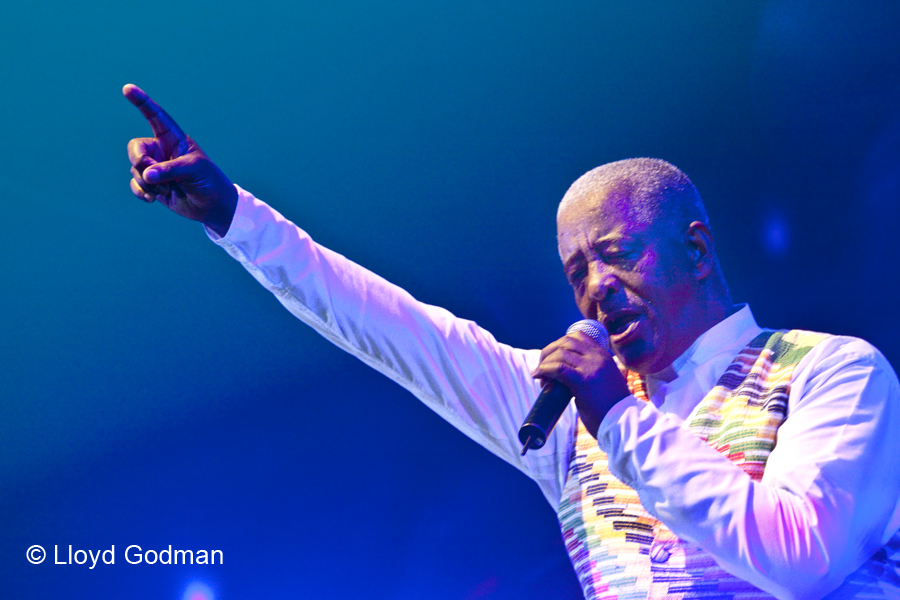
(482,387)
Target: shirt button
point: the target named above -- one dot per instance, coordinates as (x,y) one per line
(659,553)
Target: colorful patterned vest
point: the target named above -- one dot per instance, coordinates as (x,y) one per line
(618,550)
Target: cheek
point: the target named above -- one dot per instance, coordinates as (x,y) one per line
(585,306)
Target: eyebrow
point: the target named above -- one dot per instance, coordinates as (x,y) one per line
(597,248)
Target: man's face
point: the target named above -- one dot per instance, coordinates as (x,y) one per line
(636,278)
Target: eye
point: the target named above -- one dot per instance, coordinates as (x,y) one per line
(576,275)
(624,258)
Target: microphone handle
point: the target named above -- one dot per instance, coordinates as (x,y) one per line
(552,401)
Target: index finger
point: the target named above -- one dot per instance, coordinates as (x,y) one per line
(160,122)
(577,342)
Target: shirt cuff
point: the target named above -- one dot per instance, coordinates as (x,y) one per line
(241,224)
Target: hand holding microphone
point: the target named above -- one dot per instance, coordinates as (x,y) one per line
(580,365)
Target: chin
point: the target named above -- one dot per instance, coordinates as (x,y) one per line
(639,358)
(634,361)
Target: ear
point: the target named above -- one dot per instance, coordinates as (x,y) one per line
(701,251)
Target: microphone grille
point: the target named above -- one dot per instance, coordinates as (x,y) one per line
(592,328)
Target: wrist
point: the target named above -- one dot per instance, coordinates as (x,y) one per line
(219,218)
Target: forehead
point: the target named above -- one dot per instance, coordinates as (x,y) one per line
(597,218)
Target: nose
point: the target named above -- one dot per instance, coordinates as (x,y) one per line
(601,283)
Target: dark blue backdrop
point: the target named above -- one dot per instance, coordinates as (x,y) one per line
(153,394)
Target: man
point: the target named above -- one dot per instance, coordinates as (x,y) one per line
(665,473)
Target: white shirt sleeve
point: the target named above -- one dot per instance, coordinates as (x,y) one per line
(828,499)
(482,387)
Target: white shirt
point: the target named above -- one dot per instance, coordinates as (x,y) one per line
(829,496)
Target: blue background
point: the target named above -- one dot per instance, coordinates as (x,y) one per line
(154,394)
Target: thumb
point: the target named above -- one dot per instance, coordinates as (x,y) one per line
(170,171)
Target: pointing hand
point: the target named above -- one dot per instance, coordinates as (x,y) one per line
(170,167)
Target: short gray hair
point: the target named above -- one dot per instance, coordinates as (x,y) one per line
(654,189)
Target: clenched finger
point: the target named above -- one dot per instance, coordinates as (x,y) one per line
(143,152)
(577,342)
(147,186)
(140,193)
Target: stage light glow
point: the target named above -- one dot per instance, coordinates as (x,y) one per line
(776,234)
(198,591)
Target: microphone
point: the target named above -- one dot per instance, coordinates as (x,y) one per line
(555,396)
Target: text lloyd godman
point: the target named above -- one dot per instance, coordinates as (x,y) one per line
(135,555)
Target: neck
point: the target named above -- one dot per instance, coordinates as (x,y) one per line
(701,317)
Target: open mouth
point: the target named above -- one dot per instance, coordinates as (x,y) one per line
(621,323)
